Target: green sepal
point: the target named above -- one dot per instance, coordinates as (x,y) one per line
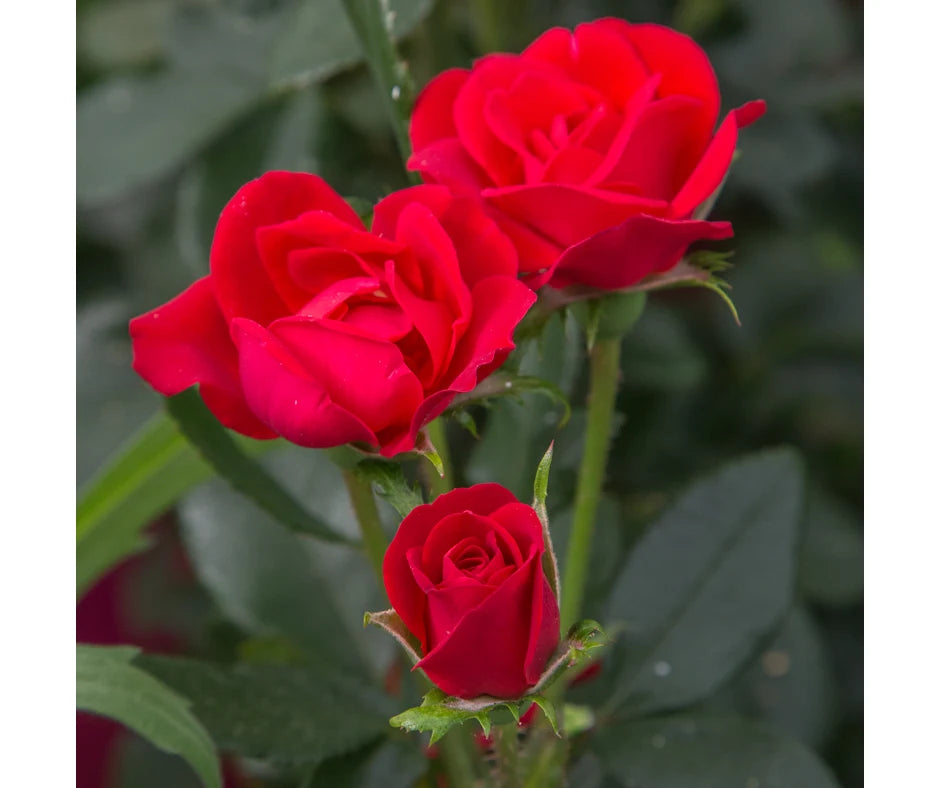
(438,713)
(465,420)
(391,622)
(389,480)
(540,493)
(611,316)
(548,709)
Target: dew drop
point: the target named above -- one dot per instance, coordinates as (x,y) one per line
(396,92)
(662,669)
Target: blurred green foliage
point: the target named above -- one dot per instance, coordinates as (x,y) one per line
(182,101)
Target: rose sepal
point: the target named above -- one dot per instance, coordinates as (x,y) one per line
(439,712)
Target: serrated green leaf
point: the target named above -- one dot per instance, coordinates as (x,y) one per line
(278,713)
(689,751)
(108,684)
(706,582)
(389,480)
(438,719)
(249,478)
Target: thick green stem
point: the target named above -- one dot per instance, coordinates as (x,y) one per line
(605,370)
(370,19)
(363,503)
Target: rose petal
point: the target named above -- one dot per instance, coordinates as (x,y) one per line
(567,215)
(241,281)
(653,156)
(487,652)
(282,394)
(523,525)
(186,341)
(451,529)
(403,591)
(625,254)
(492,72)
(710,171)
(365,376)
(448,162)
(433,116)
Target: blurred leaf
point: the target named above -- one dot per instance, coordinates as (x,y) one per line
(706,752)
(123,33)
(659,354)
(395,763)
(132,130)
(111,401)
(832,553)
(705,583)
(789,685)
(268,580)
(144,480)
(107,684)
(216,445)
(278,713)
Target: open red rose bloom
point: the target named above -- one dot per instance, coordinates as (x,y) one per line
(592,149)
(311,327)
(465,575)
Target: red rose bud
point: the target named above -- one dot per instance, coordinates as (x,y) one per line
(311,327)
(593,149)
(465,575)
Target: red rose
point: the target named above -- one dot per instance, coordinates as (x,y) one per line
(465,575)
(313,328)
(593,149)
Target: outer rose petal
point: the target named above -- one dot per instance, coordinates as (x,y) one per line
(362,375)
(710,171)
(625,254)
(186,341)
(403,592)
(433,115)
(488,651)
(567,215)
(239,277)
(448,162)
(284,397)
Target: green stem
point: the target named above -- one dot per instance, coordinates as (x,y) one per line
(370,20)
(363,504)
(605,371)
